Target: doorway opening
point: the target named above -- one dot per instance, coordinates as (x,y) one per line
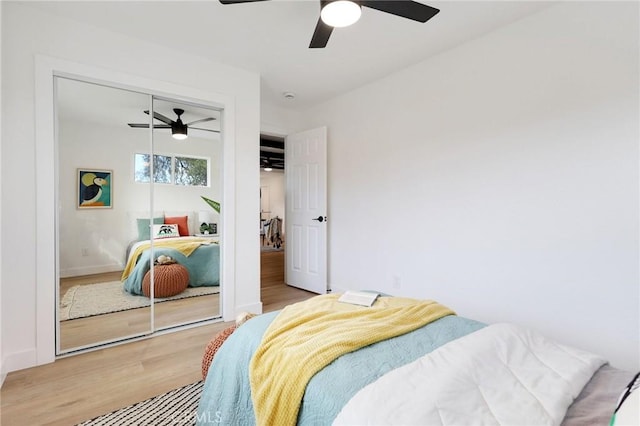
(272,193)
(272,208)
(272,216)
(304,208)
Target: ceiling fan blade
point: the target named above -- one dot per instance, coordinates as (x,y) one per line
(201,120)
(146,126)
(238,1)
(160,117)
(206,130)
(320,35)
(404,8)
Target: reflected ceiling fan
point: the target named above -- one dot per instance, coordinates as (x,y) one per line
(342,13)
(178,128)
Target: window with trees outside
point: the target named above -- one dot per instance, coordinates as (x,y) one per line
(176,170)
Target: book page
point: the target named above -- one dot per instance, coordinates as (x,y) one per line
(363,298)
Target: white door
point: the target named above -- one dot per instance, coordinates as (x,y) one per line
(306,210)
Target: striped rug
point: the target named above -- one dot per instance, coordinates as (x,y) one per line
(176,407)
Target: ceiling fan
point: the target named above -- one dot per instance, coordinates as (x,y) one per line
(342,13)
(178,128)
(270,163)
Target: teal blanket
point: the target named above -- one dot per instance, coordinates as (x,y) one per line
(203,266)
(226,399)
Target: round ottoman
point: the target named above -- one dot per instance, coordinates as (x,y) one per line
(212,348)
(169,280)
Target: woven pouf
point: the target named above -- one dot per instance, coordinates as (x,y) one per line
(213,347)
(169,280)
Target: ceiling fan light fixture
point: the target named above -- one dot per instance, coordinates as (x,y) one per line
(340,13)
(179,136)
(268,169)
(178,128)
(179,132)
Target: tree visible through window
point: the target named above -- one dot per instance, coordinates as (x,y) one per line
(191,171)
(187,171)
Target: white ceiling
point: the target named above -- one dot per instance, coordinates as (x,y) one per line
(272,38)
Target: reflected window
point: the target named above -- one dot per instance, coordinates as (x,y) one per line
(187,171)
(192,171)
(161,168)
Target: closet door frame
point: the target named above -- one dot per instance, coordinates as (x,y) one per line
(46,192)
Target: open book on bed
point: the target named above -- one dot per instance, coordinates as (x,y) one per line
(364,298)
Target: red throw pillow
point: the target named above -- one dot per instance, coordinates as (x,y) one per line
(181,221)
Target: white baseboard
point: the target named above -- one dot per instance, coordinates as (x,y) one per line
(3,375)
(19,361)
(90,270)
(254,308)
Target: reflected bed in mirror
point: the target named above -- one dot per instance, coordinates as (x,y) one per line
(105,307)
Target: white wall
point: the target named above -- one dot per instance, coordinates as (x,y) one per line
(501,178)
(276,121)
(27,32)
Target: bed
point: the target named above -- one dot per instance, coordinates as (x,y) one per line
(445,370)
(199,255)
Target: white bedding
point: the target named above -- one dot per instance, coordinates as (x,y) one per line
(499,375)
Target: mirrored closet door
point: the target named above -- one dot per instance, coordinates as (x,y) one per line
(131,257)
(187,186)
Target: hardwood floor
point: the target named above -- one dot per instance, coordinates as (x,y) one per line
(110,327)
(274,293)
(84,386)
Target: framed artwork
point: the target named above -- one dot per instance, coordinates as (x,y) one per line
(95,189)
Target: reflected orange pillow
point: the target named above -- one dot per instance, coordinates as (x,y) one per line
(181,221)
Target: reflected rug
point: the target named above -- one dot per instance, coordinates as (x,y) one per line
(82,301)
(176,407)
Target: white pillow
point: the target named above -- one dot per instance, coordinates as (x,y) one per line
(165,231)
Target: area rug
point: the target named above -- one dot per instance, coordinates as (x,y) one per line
(82,301)
(176,407)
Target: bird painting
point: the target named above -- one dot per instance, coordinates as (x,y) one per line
(94,189)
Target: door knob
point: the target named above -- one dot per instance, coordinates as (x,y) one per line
(320,218)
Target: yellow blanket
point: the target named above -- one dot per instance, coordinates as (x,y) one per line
(307,336)
(185,246)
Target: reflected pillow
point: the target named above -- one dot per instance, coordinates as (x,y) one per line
(181,221)
(144,232)
(165,231)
